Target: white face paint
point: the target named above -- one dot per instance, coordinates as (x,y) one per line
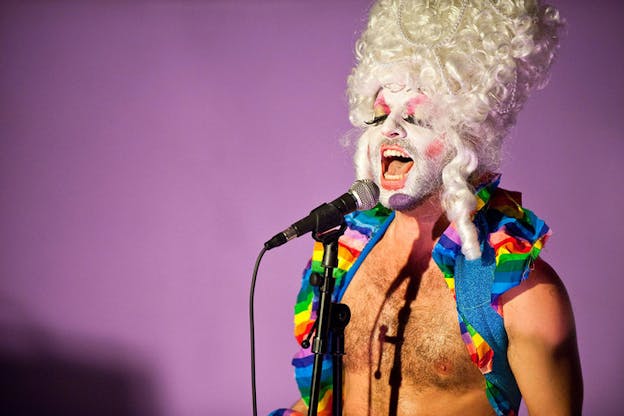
(400,151)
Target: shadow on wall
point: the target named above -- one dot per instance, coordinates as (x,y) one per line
(42,375)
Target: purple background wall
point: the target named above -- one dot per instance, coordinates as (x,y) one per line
(149,148)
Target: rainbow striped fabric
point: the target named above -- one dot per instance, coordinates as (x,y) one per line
(516,237)
(515,234)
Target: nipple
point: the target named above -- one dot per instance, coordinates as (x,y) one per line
(443,366)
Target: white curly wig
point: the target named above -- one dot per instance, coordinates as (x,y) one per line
(476,60)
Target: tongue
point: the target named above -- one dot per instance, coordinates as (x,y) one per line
(398,167)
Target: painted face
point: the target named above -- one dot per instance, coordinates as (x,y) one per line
(400,151)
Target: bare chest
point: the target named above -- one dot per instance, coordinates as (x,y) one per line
(404,333)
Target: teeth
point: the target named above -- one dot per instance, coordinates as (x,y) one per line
(393,152)
(392,177)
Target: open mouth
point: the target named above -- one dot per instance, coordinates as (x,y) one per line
(395,165)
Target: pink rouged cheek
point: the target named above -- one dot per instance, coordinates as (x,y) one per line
(434,149)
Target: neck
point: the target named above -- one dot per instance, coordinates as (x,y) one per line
(420,227)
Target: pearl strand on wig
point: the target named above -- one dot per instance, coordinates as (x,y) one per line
(502,109)
(433,48)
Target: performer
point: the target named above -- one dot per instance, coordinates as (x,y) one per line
(453,312)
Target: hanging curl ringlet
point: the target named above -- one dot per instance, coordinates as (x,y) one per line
(476,60)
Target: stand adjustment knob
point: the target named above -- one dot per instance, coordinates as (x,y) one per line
(316,279)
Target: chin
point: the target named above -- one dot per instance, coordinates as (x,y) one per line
(403,200)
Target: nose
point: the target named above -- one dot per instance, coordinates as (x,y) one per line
(392,130)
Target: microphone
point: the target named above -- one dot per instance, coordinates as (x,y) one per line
(362,195)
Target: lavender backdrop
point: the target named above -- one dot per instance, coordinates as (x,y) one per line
(149,148)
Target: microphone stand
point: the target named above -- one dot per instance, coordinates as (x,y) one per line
(331,320)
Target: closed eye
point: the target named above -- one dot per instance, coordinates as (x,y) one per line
(377,120)
(418,122)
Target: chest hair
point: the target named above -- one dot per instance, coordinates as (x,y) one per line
(404,326)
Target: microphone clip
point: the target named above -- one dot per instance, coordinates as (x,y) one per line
(328,223)
(326,217)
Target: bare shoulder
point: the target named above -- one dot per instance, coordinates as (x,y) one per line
(542,352)
(539,308)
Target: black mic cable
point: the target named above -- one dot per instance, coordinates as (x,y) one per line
(252,331)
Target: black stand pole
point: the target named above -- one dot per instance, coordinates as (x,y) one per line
(341,314)
(331,321)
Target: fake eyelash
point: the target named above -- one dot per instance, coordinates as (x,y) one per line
(418,122)
(377,120)
(410,119)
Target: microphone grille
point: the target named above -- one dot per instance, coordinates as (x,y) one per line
(366,193)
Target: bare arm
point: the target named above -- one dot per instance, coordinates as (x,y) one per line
(543,353)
